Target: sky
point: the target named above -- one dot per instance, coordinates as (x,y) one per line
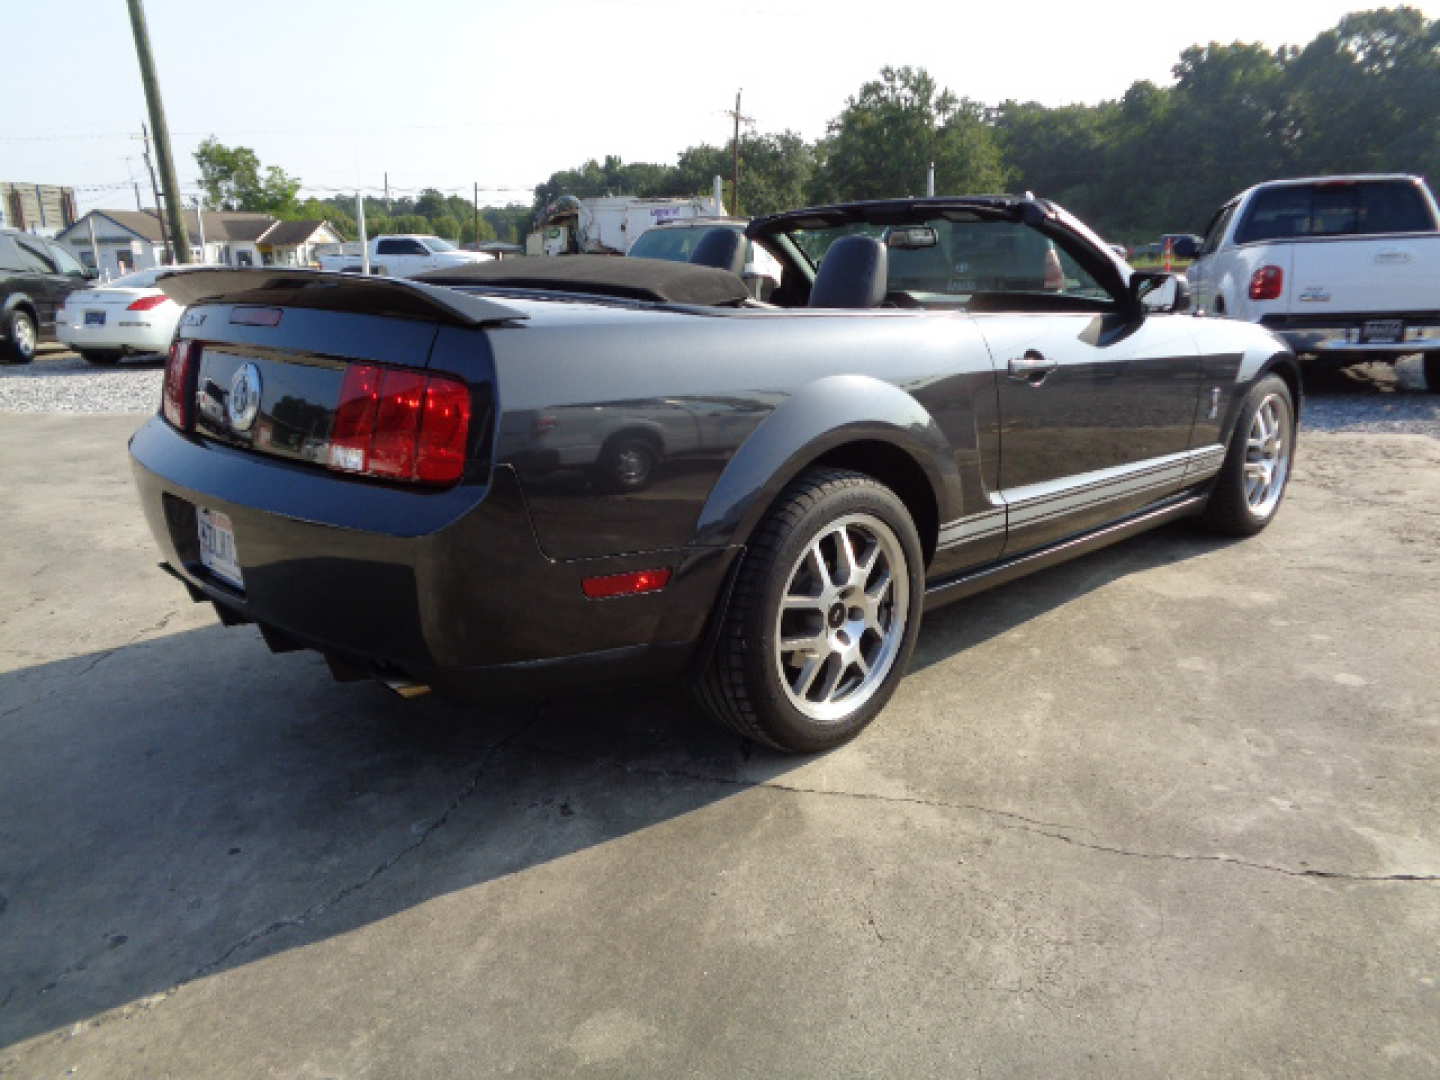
(450,93)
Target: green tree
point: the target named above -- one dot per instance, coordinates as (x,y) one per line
(881,145)
(232,179)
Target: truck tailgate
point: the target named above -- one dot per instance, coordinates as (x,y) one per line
(1381,274)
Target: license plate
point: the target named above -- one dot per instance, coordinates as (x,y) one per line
(94,318)
(1382,330)
(217,547)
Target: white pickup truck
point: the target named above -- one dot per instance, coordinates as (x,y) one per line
(1345,268)
(403,256)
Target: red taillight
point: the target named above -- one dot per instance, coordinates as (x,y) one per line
(636,581)
(145,303)
(444,428)
(400,425)
(1267,283)
(179,374)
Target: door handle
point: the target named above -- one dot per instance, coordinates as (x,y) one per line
(1031,368)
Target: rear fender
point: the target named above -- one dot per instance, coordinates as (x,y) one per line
(828,413)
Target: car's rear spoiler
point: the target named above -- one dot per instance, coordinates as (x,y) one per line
(280,286)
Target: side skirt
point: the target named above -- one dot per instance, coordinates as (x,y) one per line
(940,593)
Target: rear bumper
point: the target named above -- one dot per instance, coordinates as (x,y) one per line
(1343,335)
(447,588)
(146,338)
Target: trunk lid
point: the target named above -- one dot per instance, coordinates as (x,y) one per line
(266,360)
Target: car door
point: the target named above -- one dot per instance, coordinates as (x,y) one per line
(1096,411)
(42,280)
(1201,274)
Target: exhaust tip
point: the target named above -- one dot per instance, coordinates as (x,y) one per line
(405,688)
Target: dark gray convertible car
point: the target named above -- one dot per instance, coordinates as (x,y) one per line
(550,471)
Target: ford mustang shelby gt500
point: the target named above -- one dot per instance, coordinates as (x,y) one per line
(539,471)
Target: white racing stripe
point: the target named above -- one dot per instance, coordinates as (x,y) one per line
(1026,506)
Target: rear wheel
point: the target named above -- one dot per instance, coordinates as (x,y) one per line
(1251,482)
(20,337)
(823,618)
(1432,372)
(100,356)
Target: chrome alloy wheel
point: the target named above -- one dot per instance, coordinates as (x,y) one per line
(1267,456)
(842,617)
(24,331)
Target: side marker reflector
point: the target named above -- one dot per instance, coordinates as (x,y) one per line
(629,584)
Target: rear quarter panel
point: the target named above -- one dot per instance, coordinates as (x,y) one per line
(776,389)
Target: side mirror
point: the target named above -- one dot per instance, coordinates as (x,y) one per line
(1159,293)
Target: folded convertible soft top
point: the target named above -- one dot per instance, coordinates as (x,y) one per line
(656,280)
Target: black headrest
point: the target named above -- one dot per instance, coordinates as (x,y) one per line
(852,274)
(723,249)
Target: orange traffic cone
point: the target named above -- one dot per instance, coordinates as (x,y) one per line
(1169,251)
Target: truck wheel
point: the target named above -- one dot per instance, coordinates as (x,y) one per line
(823,616)
(1251,483)
(1432,372)
(20,337)
(628,463)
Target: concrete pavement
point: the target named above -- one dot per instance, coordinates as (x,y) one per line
(1165,811)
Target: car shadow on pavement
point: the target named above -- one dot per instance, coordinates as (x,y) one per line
(192,803)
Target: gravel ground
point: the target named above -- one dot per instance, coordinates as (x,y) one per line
(1370,398)
(62,382)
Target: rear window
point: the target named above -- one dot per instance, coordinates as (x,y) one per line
(1337,209)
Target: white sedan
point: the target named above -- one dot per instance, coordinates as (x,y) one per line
(127,316)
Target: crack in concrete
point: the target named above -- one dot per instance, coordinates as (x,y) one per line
(1019,822)
(321,906)
(95,662)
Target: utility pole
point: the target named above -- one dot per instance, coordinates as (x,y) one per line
(136,185)
(477,215)
(162,132)
(155,190)
(735,152)
(387,191)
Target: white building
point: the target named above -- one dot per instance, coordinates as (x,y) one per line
(132,239)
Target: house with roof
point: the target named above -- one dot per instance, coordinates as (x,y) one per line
(135,240)
(293,243)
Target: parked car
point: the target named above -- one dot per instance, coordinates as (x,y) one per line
(125,317)
(404,255)
(677,241)
(1345,268)
(36,275)
(342,460)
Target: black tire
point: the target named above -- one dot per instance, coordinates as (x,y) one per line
(20,337)
(1432,372)
(627,463)
(743,686)
(99,356)
(1234,509)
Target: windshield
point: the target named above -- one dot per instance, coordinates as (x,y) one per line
(969,257)
(675,243)
(434,243)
